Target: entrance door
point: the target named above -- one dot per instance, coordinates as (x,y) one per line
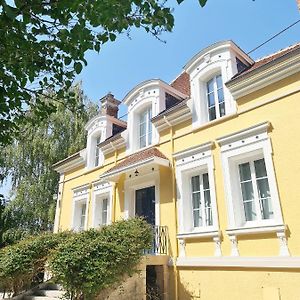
(145,204)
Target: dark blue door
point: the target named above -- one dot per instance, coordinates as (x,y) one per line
(145,204)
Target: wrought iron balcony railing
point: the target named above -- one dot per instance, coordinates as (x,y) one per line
(160,241)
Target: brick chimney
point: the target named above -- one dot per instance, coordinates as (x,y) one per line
(109,105)
(298,2)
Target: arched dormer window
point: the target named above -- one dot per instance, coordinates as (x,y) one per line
(215,97)
(209,70)
(145,128)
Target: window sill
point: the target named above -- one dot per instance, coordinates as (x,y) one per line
(200,126)
(198,234)
(256,229)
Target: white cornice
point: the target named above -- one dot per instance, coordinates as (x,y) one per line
(193,150)
(264,76)
(243,134)
(72,163)
(240,262)
(172,118)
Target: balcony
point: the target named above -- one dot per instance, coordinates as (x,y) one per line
(160,241)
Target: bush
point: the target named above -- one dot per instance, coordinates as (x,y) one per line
(23,262)
(93,260)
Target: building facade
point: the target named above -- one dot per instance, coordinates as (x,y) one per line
(211,160)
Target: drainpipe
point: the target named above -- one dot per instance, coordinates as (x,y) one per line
(175,205)
(114,200)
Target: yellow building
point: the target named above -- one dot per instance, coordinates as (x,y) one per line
(212,161)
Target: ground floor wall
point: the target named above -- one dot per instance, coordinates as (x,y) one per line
(236,284)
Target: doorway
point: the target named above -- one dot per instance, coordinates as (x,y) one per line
(145,204)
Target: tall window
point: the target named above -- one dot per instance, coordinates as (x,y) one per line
(104,211)
(255,190)
(97,151)
(145,128)
(201,201)
(82,216)
(215,98)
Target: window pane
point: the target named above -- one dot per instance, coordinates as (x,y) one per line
(143,117)
(205,181)
(263,188)
(245,172)
(250,213)
(220,95)
(196,200)
(212,113)
(222,109)
(208,216)
(211,99)
(104,211)
(260,168)
(267,210)
(210,86)
(247,190)
(195,183)
(219,81)
(197,218)
(142,129)
(142,141)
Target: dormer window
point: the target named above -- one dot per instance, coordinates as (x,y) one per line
(97,151)
(215,98)
(145,128)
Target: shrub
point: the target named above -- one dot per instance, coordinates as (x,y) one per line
(93,260)
(22,263)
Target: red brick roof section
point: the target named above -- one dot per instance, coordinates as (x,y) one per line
(137,157)
(182,83)
(270,58)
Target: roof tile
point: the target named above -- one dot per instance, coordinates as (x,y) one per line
(136,157)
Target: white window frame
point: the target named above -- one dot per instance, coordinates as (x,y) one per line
(216,97)
(249,144)
(102,190)
(97,151)
(80,198)
(149,127)
(191,162)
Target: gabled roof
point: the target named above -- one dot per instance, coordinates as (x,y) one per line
(139,158)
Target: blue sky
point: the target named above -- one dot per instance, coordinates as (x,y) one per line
(121,65)
(126,62)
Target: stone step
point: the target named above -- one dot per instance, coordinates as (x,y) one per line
(49,293)
(33,297)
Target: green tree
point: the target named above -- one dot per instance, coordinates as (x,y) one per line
(29,160)
(43,43)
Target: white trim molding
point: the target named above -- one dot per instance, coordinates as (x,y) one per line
(80,197)
(101,190)
(276,262)
(245,146)
(191,162)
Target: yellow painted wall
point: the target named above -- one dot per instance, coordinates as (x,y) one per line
(238,284)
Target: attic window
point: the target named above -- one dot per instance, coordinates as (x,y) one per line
(240,65)
(145,127)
